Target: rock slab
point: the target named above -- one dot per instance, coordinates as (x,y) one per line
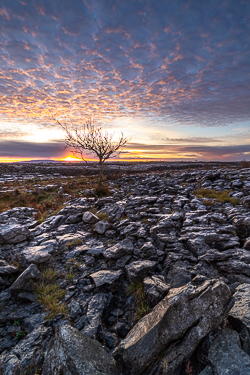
(191,312)
(73,353)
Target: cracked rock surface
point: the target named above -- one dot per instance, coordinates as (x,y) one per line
(155,278)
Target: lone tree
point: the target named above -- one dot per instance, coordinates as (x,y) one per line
(93,140)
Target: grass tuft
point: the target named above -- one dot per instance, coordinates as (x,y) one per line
(49,294)
(219,196)
(102,190)
(142,307)
(103,216)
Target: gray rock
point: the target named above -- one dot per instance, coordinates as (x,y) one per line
(139,269)
(7,269)
(179,274)
(75,309)
(90,218)
(226,356)
(27,280)
(190,313)
(247,244)
(105,277)
(207,371)
(234,266)
(27,296)
(73,353)
(28,354)
(120,249)
(239,315)
(114,211)
(237,184)
(155,289)
(32,322)
(37,254)
(96,306)
(13,233)
(72,219)
(101,227)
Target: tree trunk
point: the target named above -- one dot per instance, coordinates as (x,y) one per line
(101,172)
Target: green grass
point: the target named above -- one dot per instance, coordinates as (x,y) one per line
(218,196)
(46,203)
(142,307)
(103,216)
(49,294)
(70,276)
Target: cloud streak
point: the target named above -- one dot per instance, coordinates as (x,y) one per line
(55,150)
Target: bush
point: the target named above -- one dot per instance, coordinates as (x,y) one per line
(102,190)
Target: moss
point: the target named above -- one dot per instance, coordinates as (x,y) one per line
(219,196)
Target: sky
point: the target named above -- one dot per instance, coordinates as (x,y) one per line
(173,76)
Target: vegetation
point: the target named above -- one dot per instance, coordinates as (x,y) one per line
(77,242)
(102,190)
(103,216)
(218,196)
(93,140)
(245,164)
(142,307)
(46,203)
(49,294)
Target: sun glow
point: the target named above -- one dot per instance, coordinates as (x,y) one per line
(70,158)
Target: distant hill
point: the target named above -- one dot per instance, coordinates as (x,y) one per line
(40,161)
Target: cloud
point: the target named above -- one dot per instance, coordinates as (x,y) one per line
(227,153)
(188,64)
(22,149)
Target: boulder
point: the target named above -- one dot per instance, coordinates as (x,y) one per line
(90,218)
(96,306)
(13,233)
(188,313)
(7,269)
(247,244)
(27,354)
(101,227)
(114,211)
(27,280)
(245,201)
(155,289)
(73,353)
(239,315)
(120,249)
(37,254)
(72,219)
(105,277)
(226,356)
(139,269)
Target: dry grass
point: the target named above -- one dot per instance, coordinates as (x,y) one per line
(102,190)
(49,294)
(142,307)
(103,216)
(208,202)
(46,203)
(245,164)
(77,242)
(218,196)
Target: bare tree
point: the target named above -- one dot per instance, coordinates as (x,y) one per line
(93,140)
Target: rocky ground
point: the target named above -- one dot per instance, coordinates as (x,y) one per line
(154,279)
